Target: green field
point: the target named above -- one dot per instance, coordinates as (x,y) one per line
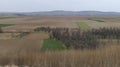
(6,17)
(99,20)
(5,25)
(83,25)
(52,45)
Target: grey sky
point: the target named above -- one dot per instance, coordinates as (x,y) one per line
(49,5)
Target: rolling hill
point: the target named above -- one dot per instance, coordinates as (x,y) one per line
(62,13)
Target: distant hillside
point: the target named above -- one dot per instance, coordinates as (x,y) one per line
(11,14)
(63,13)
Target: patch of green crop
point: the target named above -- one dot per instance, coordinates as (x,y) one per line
(83,25)
(6,17)
(52,45)
(99,20)
(5,25)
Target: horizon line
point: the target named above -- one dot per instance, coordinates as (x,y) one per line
(54,10)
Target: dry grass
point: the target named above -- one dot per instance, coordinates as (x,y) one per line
(31,43)
(104,57)
(5,36)
(27,51)
(30,23)
(97,25)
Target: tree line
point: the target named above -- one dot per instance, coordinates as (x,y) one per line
(79,39)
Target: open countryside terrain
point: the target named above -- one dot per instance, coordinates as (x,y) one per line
(29,43)
(29,23)
(34,48)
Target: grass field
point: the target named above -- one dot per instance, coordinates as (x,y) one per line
(7,36)
(83,25)
(6,17)
(52,44)
(5,25)
(27,50)
(99,20)
(105,57)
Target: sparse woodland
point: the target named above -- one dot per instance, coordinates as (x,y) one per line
(79,39)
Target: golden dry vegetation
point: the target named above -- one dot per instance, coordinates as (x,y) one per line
(30,23)
(104,57)
(26,51)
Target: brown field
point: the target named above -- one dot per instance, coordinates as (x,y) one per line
(31,42)
(104,57)
(29,23)
(6,36)
(26,50)
(96,25)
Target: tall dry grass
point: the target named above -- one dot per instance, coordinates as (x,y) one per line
(103,57)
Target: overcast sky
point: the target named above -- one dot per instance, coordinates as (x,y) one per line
(50,5)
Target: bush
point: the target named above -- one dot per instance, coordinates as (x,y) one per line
(1,30)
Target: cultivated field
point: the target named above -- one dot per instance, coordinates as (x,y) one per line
(29,23)
(21,45)
(29,43)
